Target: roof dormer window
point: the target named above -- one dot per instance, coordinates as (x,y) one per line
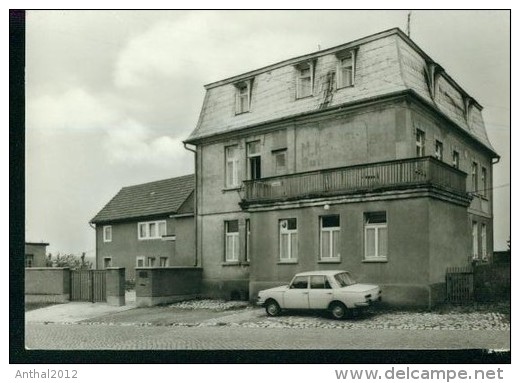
(346,68)
(305,79)
(243,96)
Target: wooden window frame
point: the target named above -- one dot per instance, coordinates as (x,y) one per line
(107,238)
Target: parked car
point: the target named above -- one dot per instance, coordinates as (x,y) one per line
(332,290)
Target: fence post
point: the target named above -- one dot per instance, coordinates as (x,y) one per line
(115,286)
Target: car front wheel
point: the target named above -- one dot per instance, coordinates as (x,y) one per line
(272,308)
(338,310)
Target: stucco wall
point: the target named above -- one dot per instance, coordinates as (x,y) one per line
(404,276)
(449,238)
(184,243)
(372,135)
(436,129)
(220,278)
(125,245)
(47,284)
(163,285)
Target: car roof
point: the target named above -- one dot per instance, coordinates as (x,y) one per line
(321,272)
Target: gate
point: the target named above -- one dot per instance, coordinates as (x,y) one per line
(88,285)
(459,284)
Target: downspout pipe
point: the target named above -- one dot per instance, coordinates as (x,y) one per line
(93,226)
(196,263)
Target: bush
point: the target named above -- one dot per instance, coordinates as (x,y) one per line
(68,260)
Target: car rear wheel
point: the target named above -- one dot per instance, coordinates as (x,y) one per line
(338,310)
(272,308)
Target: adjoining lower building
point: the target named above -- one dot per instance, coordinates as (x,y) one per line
(35,254)
(147,225)
(367,157)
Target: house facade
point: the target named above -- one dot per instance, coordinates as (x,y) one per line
(147,225)
(35,254)
(367,157)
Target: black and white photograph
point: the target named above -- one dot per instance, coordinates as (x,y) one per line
(267,180)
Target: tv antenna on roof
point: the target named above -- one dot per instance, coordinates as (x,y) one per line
(408,31)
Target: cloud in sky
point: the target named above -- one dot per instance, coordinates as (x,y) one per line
(74,109)
(132,143)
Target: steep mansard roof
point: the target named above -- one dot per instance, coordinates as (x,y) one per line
(149,199)
(386,63)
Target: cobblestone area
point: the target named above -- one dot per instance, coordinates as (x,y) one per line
(89,337)
(239,314)
(390,320)
(210,304)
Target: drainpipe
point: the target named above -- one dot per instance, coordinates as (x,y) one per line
(94,227)
(493,160)
(196,263)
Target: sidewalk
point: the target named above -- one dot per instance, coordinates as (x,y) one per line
(74,312)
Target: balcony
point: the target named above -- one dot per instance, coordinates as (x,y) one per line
(367,178)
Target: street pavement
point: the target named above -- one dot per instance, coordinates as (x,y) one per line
(130,337)
(210,325)
(73,312)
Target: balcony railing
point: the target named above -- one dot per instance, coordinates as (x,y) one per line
(398,174)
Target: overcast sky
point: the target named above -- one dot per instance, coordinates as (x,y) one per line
(112,94)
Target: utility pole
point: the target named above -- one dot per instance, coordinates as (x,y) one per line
(408,32)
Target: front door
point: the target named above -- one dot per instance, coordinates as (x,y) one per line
(320,293)
(297,297)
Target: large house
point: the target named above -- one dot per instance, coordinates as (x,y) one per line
(147,225)
(366,157)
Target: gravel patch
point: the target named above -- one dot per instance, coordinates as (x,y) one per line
(210,304)
(393,320)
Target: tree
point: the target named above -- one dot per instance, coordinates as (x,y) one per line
(69,260)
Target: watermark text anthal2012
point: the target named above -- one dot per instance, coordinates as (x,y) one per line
(46,374)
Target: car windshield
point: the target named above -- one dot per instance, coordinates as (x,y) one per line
(344,279)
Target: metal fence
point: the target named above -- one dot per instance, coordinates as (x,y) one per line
(459,284)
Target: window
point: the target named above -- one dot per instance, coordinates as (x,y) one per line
(474,177)
(142,261)
(483,240)
(231,166)
(280,161)
(151,230)
(419,143)
(329,237)
(456,159)
(319,282)
(248,240)
(483,177)
(376,237)
(163,261)
(346,69)
(288,240)
(253,155)
(243,97)
(107,233)
(232,244)
(29,260)
(304,81)
(107,262)
(474,234)
(438,150)
(301,282)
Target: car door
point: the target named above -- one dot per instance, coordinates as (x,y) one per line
(297,296)
(320,292)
